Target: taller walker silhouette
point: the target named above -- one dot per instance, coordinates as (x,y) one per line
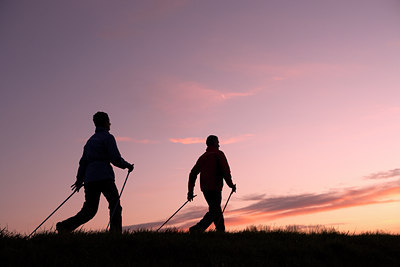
(96,175)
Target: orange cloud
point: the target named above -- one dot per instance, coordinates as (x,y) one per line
(188,140)
(236,139)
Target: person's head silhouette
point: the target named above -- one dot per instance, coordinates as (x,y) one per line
(101,119)
(212,140)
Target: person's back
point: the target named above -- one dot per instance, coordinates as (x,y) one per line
(213,168)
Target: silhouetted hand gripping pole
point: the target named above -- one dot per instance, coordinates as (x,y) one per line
(76,189)
(176,212)
(119,197)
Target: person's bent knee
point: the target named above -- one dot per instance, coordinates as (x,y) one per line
(215,211)
(90,213)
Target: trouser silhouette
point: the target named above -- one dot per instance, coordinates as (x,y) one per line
(91,205)
(214,214)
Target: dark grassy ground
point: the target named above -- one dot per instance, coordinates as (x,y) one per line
(247,248)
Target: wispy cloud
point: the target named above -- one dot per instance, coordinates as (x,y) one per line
(188,140)
(183,220)
(232,95)
(284,72)
(186,96)
(199,140)
(236,139)
(252,197)
(286,206)
(270,208)
(383,175)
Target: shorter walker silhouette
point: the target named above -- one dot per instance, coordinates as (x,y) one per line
(213,168)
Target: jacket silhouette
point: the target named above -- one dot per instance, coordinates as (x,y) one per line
(100,150)
(213,168)
(96,174)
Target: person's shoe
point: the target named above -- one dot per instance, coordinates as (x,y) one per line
(60,229)
(195,229)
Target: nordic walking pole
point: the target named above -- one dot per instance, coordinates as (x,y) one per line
(119,197)
(174,214)
(227,201)
(53,212)
(226,204)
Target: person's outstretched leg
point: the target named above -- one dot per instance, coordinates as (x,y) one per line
(110,191)
(203,224)
(88,211)
(214,201)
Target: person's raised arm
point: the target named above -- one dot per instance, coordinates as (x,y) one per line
(115,156)
(81,173)
(192,180)
(226,171)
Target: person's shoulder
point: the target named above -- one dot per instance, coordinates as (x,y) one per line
(204,155)
(109,136)
(212,154)
(220,152)
(105,135)
(92,137)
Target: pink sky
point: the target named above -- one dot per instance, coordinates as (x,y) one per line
(303,95)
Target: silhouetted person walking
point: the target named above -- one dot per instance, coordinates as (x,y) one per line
(96,174)
(213,168)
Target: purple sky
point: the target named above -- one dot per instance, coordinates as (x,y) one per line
(304,96)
